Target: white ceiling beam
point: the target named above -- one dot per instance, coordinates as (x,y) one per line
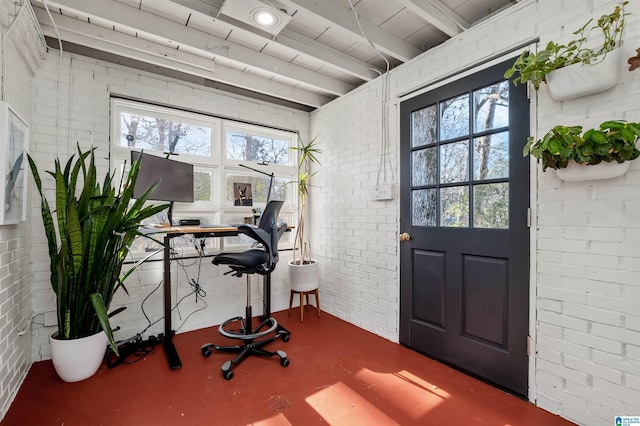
(290,39)
(438,15)
(105,40)
(339,17)
(144,23)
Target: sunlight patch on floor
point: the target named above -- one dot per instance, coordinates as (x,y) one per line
(414,396)
(340,405)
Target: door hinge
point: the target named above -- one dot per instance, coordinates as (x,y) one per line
(528,345)
(529,217)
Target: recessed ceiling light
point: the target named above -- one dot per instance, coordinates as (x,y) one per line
(265,17)
(268,15)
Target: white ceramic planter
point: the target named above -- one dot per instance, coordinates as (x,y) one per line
(304,277)
(579,80)
(575,172)
(77,359)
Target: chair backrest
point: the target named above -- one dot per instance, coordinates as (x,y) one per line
(267,233)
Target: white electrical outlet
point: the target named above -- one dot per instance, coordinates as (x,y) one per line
(382,192)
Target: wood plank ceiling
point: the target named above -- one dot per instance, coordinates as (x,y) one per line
(319,55)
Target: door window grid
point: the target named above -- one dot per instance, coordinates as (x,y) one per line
(461,178)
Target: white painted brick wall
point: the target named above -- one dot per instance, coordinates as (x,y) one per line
(587,282)
(86,86)
(15,267)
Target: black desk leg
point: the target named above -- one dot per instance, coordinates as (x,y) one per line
(167,339)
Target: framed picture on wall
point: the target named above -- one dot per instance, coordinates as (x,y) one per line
(14,135)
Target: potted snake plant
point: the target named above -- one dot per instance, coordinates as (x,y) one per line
(89,231)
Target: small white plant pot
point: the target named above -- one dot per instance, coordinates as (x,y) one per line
(575,172)
(77,359)
(304,277)
(577,80)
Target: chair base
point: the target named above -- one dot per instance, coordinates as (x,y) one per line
(304,295)
(250,346)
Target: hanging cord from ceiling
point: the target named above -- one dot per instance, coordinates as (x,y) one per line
(384,177)
(60,51)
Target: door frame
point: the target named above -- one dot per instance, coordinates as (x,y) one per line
(533,192)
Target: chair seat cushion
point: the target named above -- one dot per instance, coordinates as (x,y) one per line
(247,259)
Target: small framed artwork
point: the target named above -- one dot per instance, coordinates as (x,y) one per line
(242,194)
(14,135)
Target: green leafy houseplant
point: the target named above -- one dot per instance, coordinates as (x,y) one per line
(534,67)
(308,155)
(613,141)
(95,227)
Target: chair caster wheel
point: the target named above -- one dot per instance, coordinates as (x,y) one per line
(286,337)
(284,362)
(205,352)
(228,375)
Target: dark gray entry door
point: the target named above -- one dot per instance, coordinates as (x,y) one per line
(464,273)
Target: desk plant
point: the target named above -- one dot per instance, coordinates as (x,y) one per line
(535,67)
(88,241)
(612,141)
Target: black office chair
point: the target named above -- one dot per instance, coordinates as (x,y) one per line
(260,261)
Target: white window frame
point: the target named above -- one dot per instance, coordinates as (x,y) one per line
(219,210)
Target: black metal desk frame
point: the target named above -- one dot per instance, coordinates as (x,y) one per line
(171,232)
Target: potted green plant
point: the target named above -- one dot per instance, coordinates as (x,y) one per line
(88,238)
(303,269)
(572,70)
(612,144)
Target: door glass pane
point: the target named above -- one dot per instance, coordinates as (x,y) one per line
(425,167)
(424,126)
(454,162)
(454,206)
(454,121)
(491,107)
(491,156)
(491,206)
(424,207)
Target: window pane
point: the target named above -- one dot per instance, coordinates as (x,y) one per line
(454,162)
(424,126)
(454,121)
(454,207)
(491,107)
(256,189)
(164,135)
(491,206)
(424,207)
(247,147)
(203,185)
(491,156)
(425,167)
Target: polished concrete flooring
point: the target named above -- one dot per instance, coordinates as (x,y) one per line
(338,375)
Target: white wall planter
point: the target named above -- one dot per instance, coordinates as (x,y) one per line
(77,359)
(579,80)
(575,172)
(304,277)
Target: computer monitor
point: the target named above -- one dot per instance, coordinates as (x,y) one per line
(175,177)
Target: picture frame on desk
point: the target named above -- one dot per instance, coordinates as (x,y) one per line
(14,137)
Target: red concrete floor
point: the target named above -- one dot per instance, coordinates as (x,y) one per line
(339,375)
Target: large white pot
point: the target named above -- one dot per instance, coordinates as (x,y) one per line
(304,277)
(575,172)
(579,80)
(77,359)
